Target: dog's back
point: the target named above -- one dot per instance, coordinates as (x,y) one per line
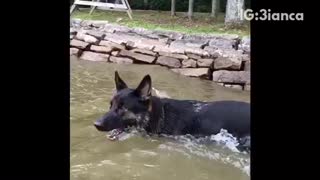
(205,118)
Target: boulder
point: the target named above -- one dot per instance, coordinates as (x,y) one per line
(222,43)
(193,72)
(189,63)
(74,52)
(245,44)
(113,45)
(102,49)
(115,53)
(86,38)
(168,61)
(78,44)
(97,34)
(189,43)
(144,51)
(177,56)
(139,57)
(231,77)
(247,66)
(205,63)
(193,56)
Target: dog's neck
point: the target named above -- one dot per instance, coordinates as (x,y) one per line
(156,115)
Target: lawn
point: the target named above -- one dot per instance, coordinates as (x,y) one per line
(161,20)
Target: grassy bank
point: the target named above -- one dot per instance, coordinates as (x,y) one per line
(161,20)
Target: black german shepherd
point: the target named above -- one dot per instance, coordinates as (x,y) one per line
(138,108)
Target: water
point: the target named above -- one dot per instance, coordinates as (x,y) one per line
(135,156)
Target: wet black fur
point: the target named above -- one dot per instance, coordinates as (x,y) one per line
(174,117)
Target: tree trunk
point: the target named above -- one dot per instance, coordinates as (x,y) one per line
(145,4)
(190,11)
(215,8)
(173,7)
(233,12)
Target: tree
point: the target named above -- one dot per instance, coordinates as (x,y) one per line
(145,4)
(233,12)
(190,11)
(173,7)
(215,8)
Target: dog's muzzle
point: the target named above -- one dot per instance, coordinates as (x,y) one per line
(99,126)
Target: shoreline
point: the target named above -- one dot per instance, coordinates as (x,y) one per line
(222,58)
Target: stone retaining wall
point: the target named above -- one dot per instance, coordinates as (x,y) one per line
(224,59)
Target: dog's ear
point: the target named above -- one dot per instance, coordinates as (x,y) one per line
(120,84)
(144,88)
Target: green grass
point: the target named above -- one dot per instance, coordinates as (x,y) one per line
(161,20)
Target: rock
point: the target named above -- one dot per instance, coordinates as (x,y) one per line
(116,38)
(96,34)
(245,44)
(228,59)
(211,51)
(86,38)
(222,43)
(102,49)
(115,28)
(169,34)
(247,87)
(238,77)
(245,57)
(133,40)
(193,56)
(143,51)
(168,49)
(234,86)
(144,43)
(112,45)
(247,66)
(86,23)
(189,46)
(193,72)
(189,43)
(115,53)
(139,57)
(73,31)
(205,62)
(99,23)
(211,36)
(143,31)
(92,56)
(168,61)
(78,44)
(74,52)
(197,51)
(228,53)
(189,63)
(177,56)
(227,63)
(121,60)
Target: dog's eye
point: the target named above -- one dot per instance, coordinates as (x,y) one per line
(120,105)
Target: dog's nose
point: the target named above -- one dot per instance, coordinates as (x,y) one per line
(99,126)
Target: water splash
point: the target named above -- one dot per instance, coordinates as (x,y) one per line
(220,147)
(161,94)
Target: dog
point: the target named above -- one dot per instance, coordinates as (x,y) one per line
(138,108)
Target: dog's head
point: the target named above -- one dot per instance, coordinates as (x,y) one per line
(128,107)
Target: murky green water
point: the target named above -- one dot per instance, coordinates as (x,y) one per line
(93,157)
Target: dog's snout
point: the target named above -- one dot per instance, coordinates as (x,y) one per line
(99,126)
